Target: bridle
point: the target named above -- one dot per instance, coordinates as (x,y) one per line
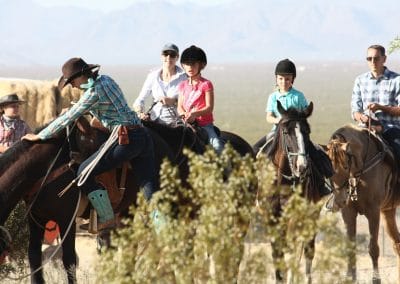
(289,155)
(353,180)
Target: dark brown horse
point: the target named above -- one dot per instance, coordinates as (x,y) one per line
(289,152)
(26,163)
(365,182)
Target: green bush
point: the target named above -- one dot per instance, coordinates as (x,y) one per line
(394,45)
(206,228)
(19,231)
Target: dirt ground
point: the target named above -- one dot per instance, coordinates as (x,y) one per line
(86,249)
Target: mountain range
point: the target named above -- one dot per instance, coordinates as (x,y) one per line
(238,31)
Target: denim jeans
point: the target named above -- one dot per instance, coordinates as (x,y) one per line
(140,151)
(392,136)
(213,138)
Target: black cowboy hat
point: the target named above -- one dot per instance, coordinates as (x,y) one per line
(73,68)
(10,99)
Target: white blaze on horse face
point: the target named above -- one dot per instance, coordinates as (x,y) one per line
(301,162)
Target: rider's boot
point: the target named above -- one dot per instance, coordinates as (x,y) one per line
(100,201)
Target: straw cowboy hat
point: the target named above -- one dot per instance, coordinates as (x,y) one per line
(10,99)
(72,69)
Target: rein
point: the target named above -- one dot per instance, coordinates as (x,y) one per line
(354,178)
(49,170)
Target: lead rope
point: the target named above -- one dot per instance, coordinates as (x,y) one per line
(83,176)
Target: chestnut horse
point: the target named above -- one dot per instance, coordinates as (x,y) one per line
(365,182)
(24,165)
(289,153)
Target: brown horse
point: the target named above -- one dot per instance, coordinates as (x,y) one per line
(365,182)
(25,164)
(290,154)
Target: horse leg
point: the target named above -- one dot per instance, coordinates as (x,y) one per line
(69,257)
(278,260)
(349,216)
(373,224)
(389,218)
(35,252)
(309,252)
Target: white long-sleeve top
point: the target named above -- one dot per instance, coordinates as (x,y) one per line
(155,87)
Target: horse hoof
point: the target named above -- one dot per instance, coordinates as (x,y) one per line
(376,280)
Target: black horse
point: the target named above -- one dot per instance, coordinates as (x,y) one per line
(191,137)
(289,152)
(22,170)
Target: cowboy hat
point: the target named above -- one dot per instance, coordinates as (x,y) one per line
(10,99)
(73,68)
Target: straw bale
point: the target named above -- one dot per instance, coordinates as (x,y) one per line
(43,99)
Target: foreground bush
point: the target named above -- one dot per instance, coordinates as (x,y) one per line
(17,226)
(206,226)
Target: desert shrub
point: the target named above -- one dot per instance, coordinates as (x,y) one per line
(17,226)
(394,45)
(206,226)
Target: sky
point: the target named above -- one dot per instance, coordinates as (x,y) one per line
(110,5)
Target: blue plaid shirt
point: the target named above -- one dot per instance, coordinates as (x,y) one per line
(103,99)
(384,90)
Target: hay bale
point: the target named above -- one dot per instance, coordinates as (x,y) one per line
(44,100)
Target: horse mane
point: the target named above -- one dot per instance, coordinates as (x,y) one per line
(13,153)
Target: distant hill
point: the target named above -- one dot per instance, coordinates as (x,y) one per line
(242,31)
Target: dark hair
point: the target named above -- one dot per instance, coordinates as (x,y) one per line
(378,47)
(193,54)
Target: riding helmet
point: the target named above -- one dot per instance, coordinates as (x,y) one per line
(193,54)
(285,67)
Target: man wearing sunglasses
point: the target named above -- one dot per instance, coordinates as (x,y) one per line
(376,97)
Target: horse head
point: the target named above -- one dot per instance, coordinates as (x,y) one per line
(357,156)
(339,152)
(293,134)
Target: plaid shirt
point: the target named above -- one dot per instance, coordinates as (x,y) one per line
(103,99)
(384,90)
(11,130)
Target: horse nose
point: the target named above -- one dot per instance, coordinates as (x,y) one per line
(301,164)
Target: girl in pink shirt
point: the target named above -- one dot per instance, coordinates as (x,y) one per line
(196,95)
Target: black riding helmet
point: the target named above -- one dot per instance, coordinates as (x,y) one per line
(285,67)
(193,54)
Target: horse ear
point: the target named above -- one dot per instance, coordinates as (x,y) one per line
(309,109)
(325,147)
(281,110)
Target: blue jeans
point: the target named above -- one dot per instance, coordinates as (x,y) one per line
(213,138)
(140,151)
(392,136)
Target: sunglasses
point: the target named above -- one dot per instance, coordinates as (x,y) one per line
(376,58)
(169,53)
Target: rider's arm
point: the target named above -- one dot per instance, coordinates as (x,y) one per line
(145,92)
(271,118)
(360,117)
